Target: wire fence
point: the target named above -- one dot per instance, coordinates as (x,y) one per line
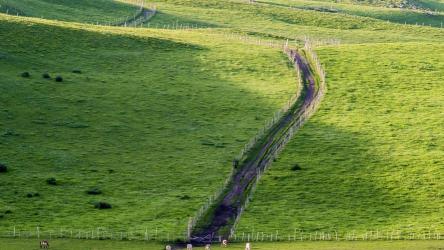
(137,20)
(251,236)
(277,146)
(246,149)
(93,234)
(370,235)
(331,9)
(142,15)
(298,120)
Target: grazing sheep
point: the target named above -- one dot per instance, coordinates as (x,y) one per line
(44,244)
(168,247)
(208,247)
(189,247)
(224,243)
(248,246)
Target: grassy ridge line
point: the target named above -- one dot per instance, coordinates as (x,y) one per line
(281,23)
(431,4)
(402,16)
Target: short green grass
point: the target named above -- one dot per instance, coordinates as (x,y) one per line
(403,16)
(381,3)
(156,116)
(371,158)
(19,244)
(431,4)
(154,121)
(92,11)
(284,23)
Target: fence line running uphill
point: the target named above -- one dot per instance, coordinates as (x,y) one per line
(247,147)
(300,119)
(220,221)
(269,124)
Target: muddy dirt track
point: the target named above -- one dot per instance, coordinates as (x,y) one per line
(233,199)
(142,17)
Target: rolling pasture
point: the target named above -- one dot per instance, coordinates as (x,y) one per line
(371,159)
(397,15)
(152,122)
(103,11)
(277,22)
(148,120)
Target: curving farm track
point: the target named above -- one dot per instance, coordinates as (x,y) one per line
(142,17)
(229,206)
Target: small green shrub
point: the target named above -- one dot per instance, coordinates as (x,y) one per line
(10,132)
(59,79)
(102,205)
(76,71)
(46,76)
(25,74)
(296,167)
(51,181)
(32,194)
(3,168)
(94,191)
(185,197)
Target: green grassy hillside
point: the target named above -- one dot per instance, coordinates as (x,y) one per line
(403,16)
(153,121)
(383,3)
(372,156)
(284,23)
(152,118)
(431,4)
(103,11)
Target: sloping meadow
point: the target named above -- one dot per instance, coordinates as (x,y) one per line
(102,11)
(371,159)
(276,20)
(146,121)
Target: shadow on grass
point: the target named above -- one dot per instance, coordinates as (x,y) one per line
(78,11)
(164,18)
(341,185)
(148,108)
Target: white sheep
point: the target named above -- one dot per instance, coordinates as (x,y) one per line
(224,243)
